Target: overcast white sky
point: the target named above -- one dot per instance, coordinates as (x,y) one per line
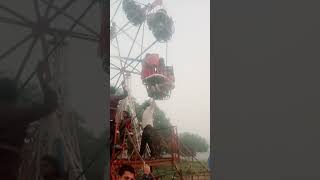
(189,53)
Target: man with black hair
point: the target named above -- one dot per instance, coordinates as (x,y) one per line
(126,172)
(14,120)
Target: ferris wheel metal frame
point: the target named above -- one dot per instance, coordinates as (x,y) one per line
(126,66)
(41,28)
(51,39)
(129,63)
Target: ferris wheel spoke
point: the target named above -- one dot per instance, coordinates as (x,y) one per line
(135,38)
(15,13)
(74,34)
(115,66)
(128,28)
(114,46)
(125,30)
(44,46)
(14,22)
(125,33)
(121,29)
(60,42)
(150,46)
(118,47)
(116,11)
(142,39)
(115,75)
(72,18)
(120,74)
(36,8)
(130,59)
(62,9)
(26,58)
(14,47)
(114,2)
(134,68)
(47,11)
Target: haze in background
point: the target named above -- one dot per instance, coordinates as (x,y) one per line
(189,53)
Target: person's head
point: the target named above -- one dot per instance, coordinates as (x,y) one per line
(126,172)
(49,167)
(146,169)
(8,91)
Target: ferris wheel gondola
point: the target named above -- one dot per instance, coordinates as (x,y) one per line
(159,32)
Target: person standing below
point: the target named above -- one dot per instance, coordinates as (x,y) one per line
(148,130)
(126,172)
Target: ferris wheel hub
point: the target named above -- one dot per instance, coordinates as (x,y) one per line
(42,26)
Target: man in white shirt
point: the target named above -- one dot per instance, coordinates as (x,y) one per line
(148,131)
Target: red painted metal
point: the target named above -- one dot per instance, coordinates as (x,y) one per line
(138,164)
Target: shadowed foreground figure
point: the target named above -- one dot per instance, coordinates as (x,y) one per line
(14,120)
(50,169)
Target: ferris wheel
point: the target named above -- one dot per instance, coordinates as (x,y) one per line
(139,35)
(42,31)
(140,31)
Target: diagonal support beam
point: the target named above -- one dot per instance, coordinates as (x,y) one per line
(74,34)
(66,6)
(15,13)
(142,54)
(125,33)
(47,11)
(116,11)
(14,47)
(26,58)
(72,18)
(132,45)
(121,73)
(36,9)
(15,22)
